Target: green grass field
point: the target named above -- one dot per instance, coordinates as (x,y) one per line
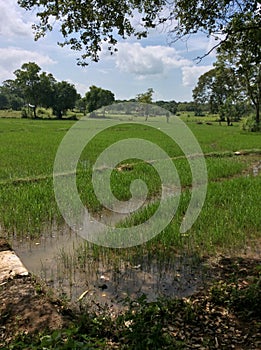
(229,222)
(230,216)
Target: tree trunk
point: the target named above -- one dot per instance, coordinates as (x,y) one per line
(228,121)
(257,114)
(34,111)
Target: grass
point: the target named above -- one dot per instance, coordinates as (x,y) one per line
(228,222)
(10,114)
(29,147)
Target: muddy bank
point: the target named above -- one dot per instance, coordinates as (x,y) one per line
(24,304)
(226,315)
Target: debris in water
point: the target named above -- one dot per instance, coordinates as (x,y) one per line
(103,286)
(136,267)
(82,295)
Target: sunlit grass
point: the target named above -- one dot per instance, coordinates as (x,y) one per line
(28,150)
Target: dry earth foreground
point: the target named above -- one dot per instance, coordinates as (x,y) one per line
(225,315)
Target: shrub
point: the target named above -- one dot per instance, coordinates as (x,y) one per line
(24,113)
(250,124)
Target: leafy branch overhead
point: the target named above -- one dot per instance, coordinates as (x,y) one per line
(87,25)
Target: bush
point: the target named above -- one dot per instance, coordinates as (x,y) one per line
(24,113)
(43,113)
(250,124)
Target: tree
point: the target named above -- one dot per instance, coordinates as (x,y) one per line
(37,89)
(41,89)
(97,98)
(85,25)
(145,98)
(204,92)
(243,56)
(4,103)
(221,90)
(80,103)
(10,95)
(65,96)
(169,105)
(28,80)
(47,90)
(237,76)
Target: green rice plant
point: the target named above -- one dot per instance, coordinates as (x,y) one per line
(229,218)
(28,149)
(215,138)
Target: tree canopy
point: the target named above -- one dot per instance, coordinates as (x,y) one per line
(145,97)
(237,73)
(97,97)
(87,25)
(35,88)
(243,56)
(65,96)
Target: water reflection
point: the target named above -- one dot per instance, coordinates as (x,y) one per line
(67,263)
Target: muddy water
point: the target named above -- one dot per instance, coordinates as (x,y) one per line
(52,258)
(105,280)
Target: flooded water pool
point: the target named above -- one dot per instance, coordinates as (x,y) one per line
(76,269)
(104,280)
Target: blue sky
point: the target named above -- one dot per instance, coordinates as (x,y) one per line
(171,70)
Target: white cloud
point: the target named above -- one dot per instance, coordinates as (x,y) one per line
(12,21)
(150,60)
(191,74)
(11,58)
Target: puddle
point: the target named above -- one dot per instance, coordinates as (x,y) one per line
(62,259)
(105,281)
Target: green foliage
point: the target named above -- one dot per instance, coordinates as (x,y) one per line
(85,26)
(250,124)
(168,105)
(243,298)
(66,339)
(44,113)
(24,113)
(149,319)
(247,300)
(145,97)
(4,103)
(167,323)
(11,97)
(65,96)
(28,81)
(97,98)
(38,89)
(242,53)
(221,90)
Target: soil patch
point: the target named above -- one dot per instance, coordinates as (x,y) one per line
(25,305)
(26,308)
(4,245)
(224,315)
